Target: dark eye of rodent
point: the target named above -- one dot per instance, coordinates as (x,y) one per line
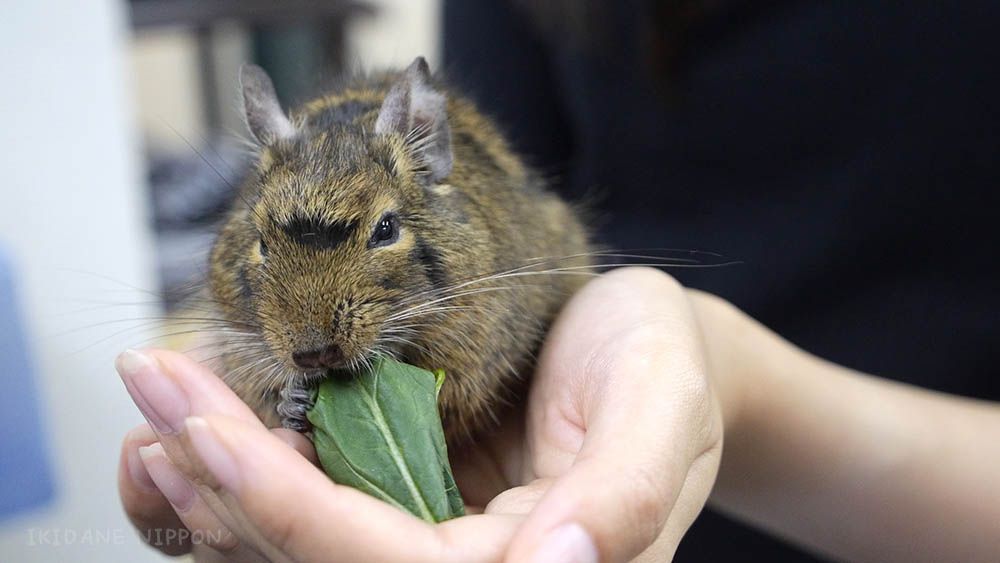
(386,231)
(263,248)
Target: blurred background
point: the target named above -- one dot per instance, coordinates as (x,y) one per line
(121,141)
(846,153)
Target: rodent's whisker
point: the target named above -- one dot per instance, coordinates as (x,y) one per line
(651,260)
(406,342)
(420,310)
(631,253)
(237,191)
(585,270)
(401,314)
(246,367)
(139,343)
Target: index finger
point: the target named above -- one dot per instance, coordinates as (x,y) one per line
(260,478)
(168,387)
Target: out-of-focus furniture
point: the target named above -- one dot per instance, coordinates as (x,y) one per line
(291,60)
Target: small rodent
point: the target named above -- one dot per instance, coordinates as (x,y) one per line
(389,217)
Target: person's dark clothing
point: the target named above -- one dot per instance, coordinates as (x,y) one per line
(846,152)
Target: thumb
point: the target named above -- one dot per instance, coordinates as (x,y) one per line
(650,450)
(611,508)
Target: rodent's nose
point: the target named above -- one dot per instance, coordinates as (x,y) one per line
(328,357)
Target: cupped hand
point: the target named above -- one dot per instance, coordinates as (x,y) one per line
(611,459)
(623,433)
(206,475)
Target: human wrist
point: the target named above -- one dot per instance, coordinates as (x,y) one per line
(724,333)
(749,365)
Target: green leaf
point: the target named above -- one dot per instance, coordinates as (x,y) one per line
(380,432)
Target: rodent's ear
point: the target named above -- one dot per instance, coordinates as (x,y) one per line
(265,118)
(418,112)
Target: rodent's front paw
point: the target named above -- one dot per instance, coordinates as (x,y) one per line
(296,400)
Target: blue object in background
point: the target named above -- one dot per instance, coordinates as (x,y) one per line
(25,473)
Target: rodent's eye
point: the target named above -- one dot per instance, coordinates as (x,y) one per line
(263,248)
(386,231)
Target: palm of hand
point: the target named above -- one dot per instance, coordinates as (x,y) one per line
(603,374)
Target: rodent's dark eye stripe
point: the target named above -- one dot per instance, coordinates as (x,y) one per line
(312,231)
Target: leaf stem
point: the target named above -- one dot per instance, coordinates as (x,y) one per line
(397,454)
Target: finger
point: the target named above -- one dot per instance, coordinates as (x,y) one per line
(611,505)
(579,364)
(694,492)
(519,500)
(144,504)
(297,442)
(167,387)
(243,462)
(621,426)
(172,387)
(479,537)
(203,526)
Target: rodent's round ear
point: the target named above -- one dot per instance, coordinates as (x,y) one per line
(264,116)
(414,109)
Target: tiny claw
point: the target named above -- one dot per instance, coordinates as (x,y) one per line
(296,400)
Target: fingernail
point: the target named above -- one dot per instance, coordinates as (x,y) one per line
(212,452)
(568,543)
(170,481)
(160,399)
(137,471)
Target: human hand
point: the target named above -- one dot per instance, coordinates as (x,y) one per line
(615,457)
(624,430)
(226,483)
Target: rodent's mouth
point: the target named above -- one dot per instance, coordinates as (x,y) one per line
(341,374)
(344,369)
(346,366)
(313,375)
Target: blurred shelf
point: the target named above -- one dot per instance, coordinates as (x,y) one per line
(198,13)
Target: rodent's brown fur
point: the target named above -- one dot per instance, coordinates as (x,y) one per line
(490,214)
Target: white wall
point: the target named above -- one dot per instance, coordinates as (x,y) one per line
(165,80)
(402,30)
(72,219)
